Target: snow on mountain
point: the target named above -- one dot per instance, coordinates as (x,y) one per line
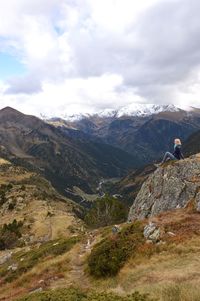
(74,117)
(145,110)
(140,110)
(108,113)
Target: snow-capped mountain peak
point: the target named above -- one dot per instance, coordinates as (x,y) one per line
(135,110)
(139,110)
(145,110)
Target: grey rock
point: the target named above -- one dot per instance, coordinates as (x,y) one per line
(151,233)
(149,229)
(37,290)
(13,267)
(168,188)
(155,236)
(115,229)
(5,258)
(198,201)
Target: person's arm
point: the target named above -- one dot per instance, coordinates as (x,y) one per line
(182,157)
(180,153)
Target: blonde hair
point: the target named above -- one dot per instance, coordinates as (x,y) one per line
(177,141)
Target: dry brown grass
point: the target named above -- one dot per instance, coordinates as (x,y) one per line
(49,271)
(157,275)
(169,271)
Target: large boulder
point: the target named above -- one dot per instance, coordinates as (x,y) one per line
(173,185)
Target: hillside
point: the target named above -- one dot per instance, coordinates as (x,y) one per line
(64,160)
(35,222)
(29,198)
(192,144)
(129,186)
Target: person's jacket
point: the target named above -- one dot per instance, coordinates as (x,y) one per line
(177,152)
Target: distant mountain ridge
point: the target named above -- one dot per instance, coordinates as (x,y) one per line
(136,110)
(144,131)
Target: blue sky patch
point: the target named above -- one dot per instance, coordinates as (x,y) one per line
(10,66)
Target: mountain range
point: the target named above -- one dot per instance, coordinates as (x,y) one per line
(145,132)
(129,110)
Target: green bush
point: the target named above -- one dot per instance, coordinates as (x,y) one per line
(76,295)
(110,254)
(106,211)
(10,234)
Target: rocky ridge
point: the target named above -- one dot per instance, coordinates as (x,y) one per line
(173,185)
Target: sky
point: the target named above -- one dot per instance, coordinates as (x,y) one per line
(64,57)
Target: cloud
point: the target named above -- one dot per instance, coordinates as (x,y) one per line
(88,55)
(73,96)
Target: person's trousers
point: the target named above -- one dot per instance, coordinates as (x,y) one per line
(168,156)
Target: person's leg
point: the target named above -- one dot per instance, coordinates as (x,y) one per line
(167,156)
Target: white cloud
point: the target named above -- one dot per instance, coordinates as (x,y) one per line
(73,96)
(88,55)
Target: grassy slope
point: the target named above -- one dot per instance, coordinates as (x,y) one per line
(169,271)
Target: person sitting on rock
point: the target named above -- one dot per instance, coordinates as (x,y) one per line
(177,154)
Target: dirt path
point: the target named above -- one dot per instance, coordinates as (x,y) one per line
(76,275)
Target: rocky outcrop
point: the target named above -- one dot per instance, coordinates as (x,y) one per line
(152,233)
(173,185)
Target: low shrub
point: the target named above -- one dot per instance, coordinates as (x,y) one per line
(76,295)
(10,234)
(108,256)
